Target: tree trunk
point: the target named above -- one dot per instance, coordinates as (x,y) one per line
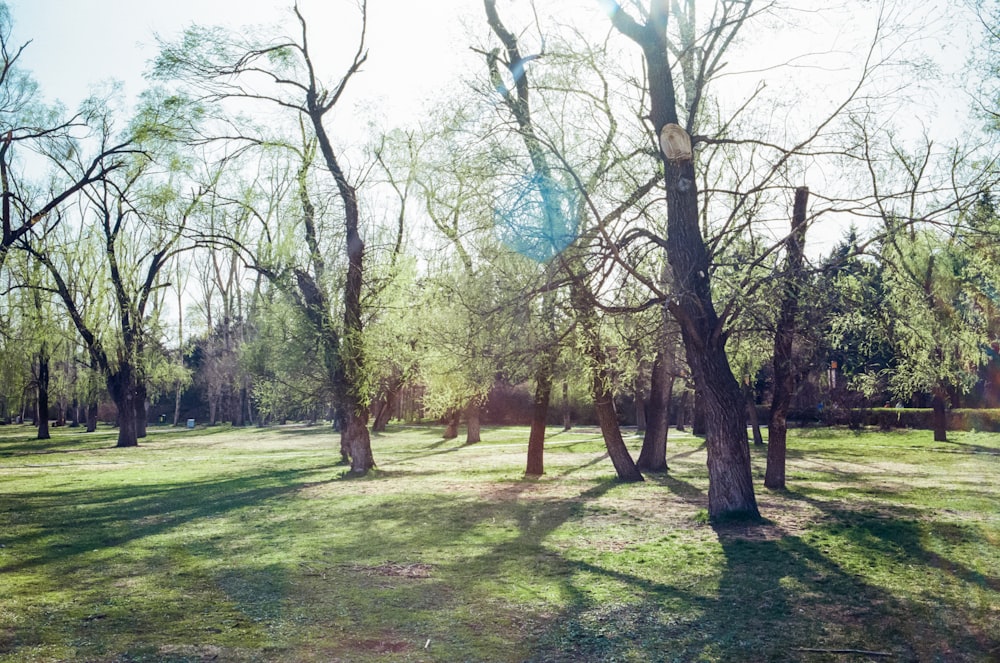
(730,491)
(74,421)
(784,335)
(698,423)
(42,404)
(682,410)
(653,457)
(539,417)
(123,391)
(357,440)
(451,429)
(472,432)
(604,406)
(751,401)
(939,416)
(386,405)
(567,419)
(640,401)
(141,411)
(92,412)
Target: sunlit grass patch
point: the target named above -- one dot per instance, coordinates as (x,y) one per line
(251,545)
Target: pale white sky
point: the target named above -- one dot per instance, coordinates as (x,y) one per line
(415,47)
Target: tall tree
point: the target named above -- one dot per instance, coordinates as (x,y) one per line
(559,219)
(730,484)
(784,376)
(282,73)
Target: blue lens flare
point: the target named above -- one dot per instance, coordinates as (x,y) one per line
(536,217)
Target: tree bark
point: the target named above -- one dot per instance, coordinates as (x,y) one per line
(472,428)
(653,457)
(539,417)
(784,335)
(451,429)
(122,390)
(74,421)
(567,418)
(42,403)
(698,423)
(141,411)
(682,410)
(730,492)
(92,412)
(939,416)
(751,401)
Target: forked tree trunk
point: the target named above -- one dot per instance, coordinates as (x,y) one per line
(784,335)
(653,457)
(472,428)
(539,416)
(42,403)
(730,491)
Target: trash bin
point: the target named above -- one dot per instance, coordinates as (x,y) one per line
(190,423)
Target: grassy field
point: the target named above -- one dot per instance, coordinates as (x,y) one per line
(251,545)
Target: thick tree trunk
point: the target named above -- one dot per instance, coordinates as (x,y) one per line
(784,335)
(357,441)
(122,388)
(730,492)
(472,429)
(92,411)
(939,416)
(539,416)
(42,404)
(653,457)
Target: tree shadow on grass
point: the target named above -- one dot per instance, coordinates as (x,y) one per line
(74,522)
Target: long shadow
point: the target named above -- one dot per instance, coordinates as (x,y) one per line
(688,453)
(73,522)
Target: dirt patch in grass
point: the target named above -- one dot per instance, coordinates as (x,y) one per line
(394,570)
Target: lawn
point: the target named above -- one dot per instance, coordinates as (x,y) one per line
(252,545)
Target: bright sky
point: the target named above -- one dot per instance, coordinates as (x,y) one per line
(415,47)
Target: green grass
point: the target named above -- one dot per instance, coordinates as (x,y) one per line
(253,545)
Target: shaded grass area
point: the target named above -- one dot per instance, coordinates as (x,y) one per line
(253,545)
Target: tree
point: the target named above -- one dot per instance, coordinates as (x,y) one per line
(555,229)
(130,228)
(784,378)
(28,126)
(730,484)
(281,73)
